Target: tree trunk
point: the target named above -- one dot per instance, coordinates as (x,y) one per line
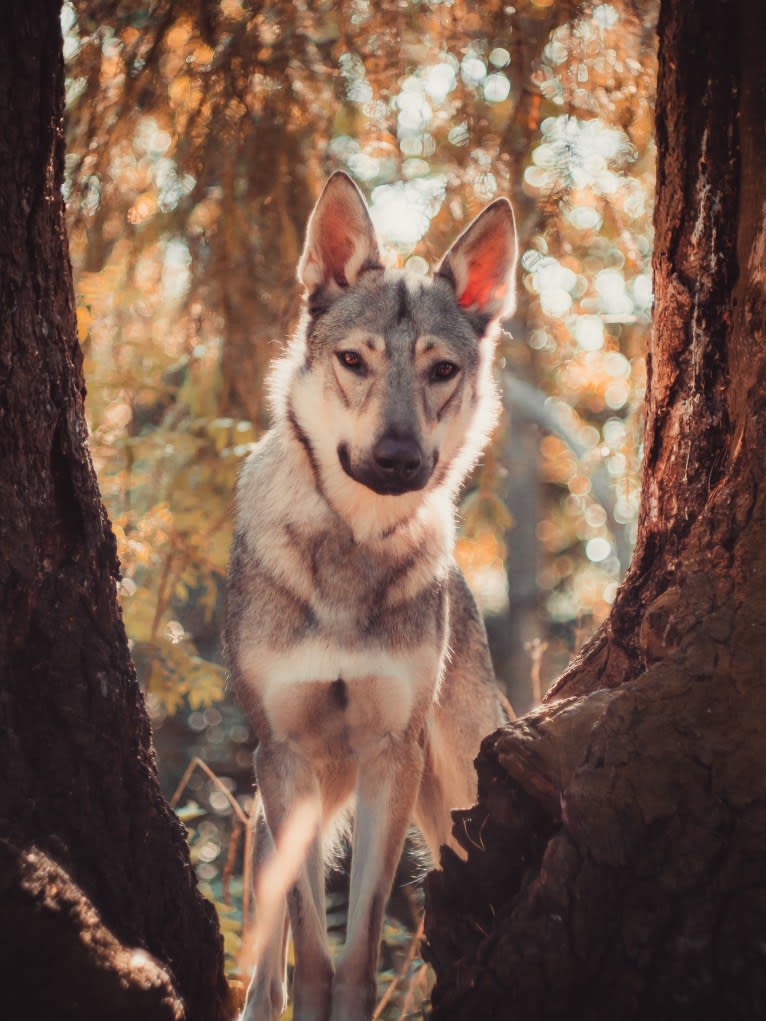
(615,860)
(92,861)
(258,294)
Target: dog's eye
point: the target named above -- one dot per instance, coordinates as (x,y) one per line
(443,371)
(351,360)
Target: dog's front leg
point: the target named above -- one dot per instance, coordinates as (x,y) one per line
(267,993)
(285,779)
(387,787)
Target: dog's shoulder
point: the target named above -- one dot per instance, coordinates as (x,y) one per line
(275,493)
(468,689)
(466,618)
(256,477)
(468,635)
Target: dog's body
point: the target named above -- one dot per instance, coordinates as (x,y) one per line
(354,643)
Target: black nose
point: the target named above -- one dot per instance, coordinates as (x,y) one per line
(398,458)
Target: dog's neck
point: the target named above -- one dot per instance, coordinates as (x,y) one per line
(293,530)
(287,492)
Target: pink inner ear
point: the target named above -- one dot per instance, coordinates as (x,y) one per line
(486,272)
(334,240)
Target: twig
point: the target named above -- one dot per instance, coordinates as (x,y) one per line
(247,863)
(195,762)
(411,990)
(390,989)
(505,702)
(162,602)
(536,649)
(247,821)
(228,868)
(479,845)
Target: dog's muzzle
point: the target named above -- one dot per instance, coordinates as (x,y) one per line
(396,465)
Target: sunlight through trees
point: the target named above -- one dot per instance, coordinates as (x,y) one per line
(198,138)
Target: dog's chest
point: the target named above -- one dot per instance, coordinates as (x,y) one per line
(348,585)
(318,696)
(345,654)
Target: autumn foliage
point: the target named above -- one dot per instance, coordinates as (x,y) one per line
(198,138)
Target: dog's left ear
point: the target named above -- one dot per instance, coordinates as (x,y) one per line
(340,238)
(481,264)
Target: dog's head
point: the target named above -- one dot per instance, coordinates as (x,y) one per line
(388,384)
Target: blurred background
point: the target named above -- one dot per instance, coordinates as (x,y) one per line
(199,135)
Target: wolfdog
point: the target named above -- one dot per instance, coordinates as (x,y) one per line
(353,641)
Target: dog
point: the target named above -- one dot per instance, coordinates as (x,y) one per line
(353,641)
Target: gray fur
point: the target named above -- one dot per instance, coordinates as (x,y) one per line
(353,641)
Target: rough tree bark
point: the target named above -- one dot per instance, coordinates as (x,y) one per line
(615,859)
(94,870)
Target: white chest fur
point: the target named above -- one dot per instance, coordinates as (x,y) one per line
(317,692)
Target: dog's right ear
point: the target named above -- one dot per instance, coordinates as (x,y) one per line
(340,239)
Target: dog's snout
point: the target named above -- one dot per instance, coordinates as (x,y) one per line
(397,457)
(396,464)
